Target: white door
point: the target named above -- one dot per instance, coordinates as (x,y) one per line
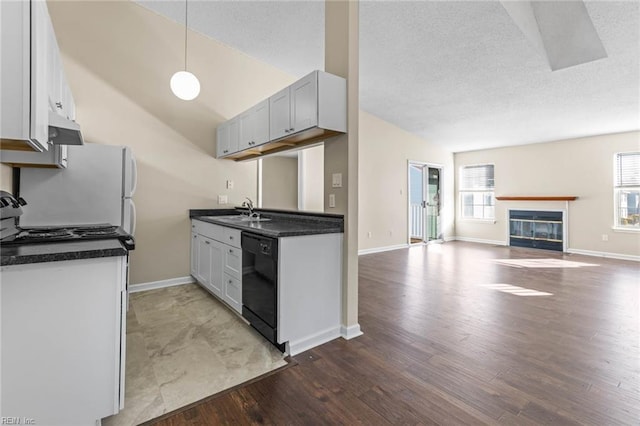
(246,130)
(260,122)
(222,140)
(417,203)
(304,103)
(203,274)
(279,114)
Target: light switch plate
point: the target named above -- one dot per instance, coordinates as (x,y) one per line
(332,200)
(223,199)
(336,180)
(229,184)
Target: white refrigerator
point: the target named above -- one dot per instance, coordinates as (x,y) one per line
(96,187)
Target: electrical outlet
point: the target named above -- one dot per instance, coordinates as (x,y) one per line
(369,234)
(605,237)
(390,233)
(229,184)
(332,200)
(336,180)
(223,199)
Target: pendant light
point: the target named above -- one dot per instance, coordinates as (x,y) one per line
(184,84)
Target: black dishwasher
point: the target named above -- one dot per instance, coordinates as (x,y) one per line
(260,284)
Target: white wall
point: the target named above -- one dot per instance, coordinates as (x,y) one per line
(385,151)
(576,167)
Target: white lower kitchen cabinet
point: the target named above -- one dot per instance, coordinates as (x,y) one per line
(309,291)
(216,261)
(63,345)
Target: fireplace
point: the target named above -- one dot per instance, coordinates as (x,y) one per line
(536,229)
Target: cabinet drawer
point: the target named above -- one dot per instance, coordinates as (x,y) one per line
(232,237)
(233,292)
(232,261)
(209,230)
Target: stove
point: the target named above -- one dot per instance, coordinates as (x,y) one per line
(52,234)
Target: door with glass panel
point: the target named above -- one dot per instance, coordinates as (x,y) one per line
(424,202)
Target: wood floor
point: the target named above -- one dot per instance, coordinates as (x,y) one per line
(443,345)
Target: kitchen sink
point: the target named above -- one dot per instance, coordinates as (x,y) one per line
(239,218)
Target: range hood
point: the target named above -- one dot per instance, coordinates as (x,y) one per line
(63,131)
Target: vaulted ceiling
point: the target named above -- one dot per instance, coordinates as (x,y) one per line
(460,74)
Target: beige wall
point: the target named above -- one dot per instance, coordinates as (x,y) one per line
(385,151)
(6,178)
(581,167)
(280,183)
(311,161)
(120,81)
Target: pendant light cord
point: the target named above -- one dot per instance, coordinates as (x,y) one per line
(186,16)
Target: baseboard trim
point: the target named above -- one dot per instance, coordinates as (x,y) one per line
(350,332)
(171,282)
(294,348)
(481,241)
(381,249)
(605,254)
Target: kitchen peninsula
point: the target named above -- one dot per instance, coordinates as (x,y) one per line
(280,270)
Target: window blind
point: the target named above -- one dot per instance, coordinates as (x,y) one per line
(477,177)
(627,169)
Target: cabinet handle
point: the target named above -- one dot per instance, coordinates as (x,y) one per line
(291,129)
(59,105)
(286,130)
(207,242)
(230,250)
(230,282)
(231,238)
(195,236)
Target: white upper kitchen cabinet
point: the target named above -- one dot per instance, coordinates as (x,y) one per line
(24,46)
(316,100)
(280,114)
(304,103)
(254,126)
(228,135)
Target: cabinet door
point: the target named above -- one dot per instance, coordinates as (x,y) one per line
(40,24)
(234,135)
(194,255)
(304,103)
(279,114)
(260,122)
(245,123)
(203,267)
(216,260)
(222,140)
(233,292)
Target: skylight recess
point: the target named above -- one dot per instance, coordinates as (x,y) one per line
(515,290)
(542,263)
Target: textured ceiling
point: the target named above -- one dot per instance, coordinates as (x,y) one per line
(460,74)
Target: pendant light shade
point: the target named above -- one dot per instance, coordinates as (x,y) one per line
(184,84)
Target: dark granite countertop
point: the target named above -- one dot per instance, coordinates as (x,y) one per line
(55,252)
(282,223)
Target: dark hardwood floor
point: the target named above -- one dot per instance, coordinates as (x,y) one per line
(442,345)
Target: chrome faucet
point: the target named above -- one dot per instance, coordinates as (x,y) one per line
(249,204)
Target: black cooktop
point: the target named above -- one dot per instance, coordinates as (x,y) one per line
(53,234)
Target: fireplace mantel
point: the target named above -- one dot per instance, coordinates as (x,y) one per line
(537,198)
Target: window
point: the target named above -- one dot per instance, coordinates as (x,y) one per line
(476,192)
(627,190)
